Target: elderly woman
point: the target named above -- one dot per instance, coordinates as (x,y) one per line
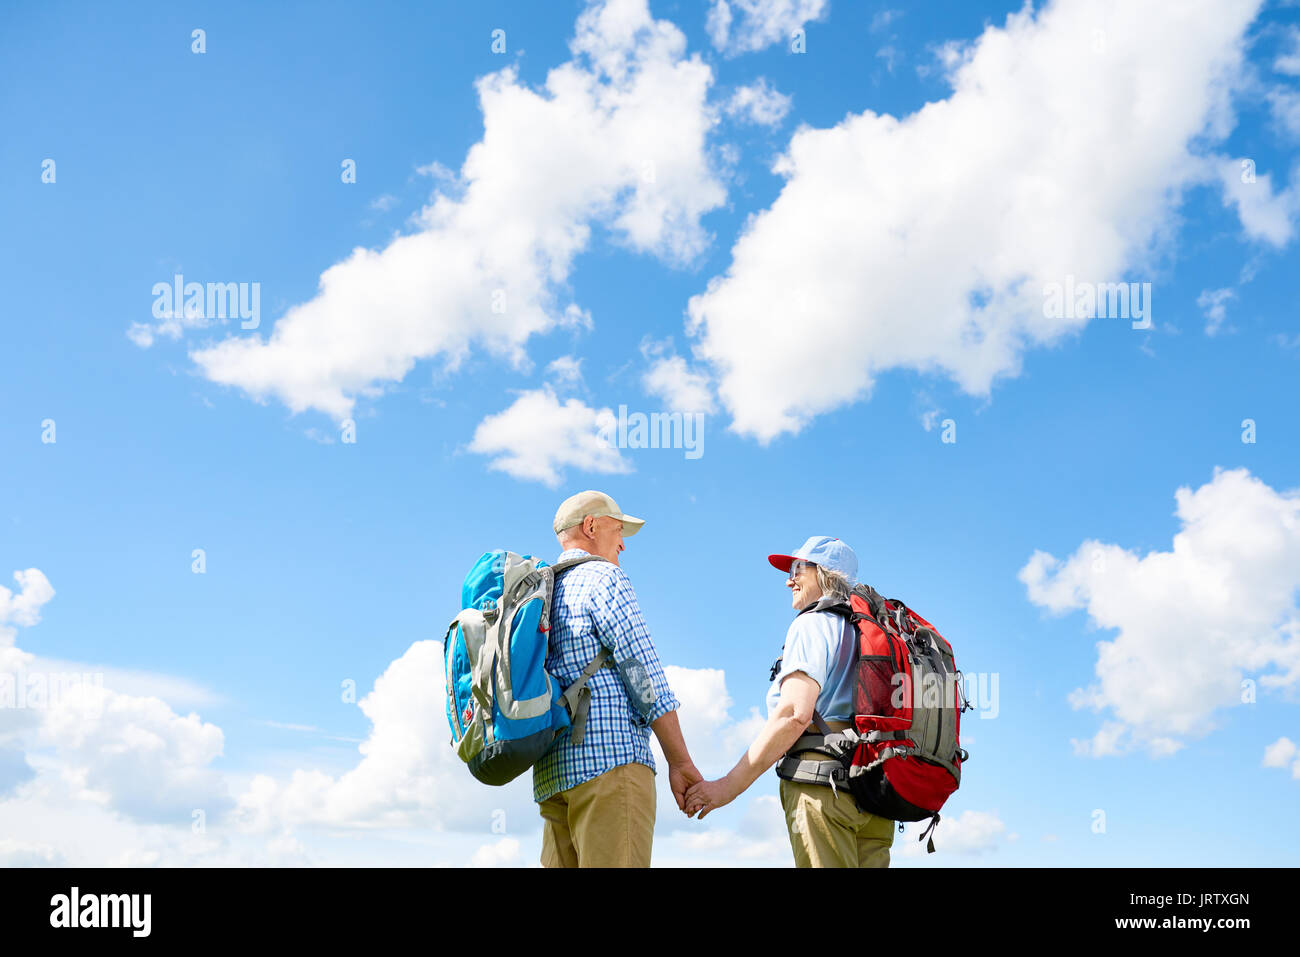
(816,671)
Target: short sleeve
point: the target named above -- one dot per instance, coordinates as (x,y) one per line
(810,647)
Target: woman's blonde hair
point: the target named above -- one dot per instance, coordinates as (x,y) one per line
(833,583)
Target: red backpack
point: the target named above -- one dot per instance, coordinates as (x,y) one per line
(901,759)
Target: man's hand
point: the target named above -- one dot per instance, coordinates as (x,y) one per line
(680,777)
(708,795)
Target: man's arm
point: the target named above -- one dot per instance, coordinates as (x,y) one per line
(682,772)
(623,629)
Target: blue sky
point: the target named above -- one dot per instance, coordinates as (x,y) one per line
(837,257)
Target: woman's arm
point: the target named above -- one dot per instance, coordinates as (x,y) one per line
(784,726)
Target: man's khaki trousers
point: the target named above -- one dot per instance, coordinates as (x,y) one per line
(827,829)
(608,821)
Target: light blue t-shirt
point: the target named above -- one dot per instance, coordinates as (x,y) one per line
(817,645)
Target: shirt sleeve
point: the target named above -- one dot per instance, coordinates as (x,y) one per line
(620,627)
(808,646)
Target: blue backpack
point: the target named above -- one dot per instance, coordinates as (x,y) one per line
(505,709)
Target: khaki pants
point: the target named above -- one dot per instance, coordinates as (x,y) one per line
(827,829)
(608,821)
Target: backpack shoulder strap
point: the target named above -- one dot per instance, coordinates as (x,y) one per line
(551,574)
(821,724)
(829,603)
(559,568)
(577,696)
(875,601)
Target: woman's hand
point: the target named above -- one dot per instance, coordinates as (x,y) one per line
(707,795)
(784,725)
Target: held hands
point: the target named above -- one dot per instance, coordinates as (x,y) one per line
(709,795)
(680,777)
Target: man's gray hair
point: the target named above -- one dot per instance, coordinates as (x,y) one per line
(833,583)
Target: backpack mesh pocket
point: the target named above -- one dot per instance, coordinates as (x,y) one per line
(874,692)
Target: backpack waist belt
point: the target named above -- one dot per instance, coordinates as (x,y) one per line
(822,758)
(815,759)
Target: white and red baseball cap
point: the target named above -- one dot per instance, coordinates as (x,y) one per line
(824,551)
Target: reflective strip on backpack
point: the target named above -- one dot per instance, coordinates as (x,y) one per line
(521,583)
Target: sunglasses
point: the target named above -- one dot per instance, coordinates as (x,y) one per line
(797,566)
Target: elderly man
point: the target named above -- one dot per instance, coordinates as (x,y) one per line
(597,798)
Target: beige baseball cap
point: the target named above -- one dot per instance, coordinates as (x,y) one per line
(577,507)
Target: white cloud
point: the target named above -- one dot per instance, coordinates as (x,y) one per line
(706,846)
(716,741)
(1190,622)
(1288,61)
(565,371)
(116,779)
(751,830)
(129,753)
(25,854)
(883,18)
(743,26)
(575,317)
(504,853)
(1285,107)
(135,754)
(1282,752)
(17,723)
(970,833)
(539,436)
(59,829)
(759,103)
(177,692)
(925,242)
(23,608)
(407,776)
(1265,216)
(1214,304)
(672,379)
(891,55)
(170,325)
(616,137)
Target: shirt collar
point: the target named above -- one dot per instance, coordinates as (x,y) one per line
(572,553)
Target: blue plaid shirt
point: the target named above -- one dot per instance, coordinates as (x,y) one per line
(594,606)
